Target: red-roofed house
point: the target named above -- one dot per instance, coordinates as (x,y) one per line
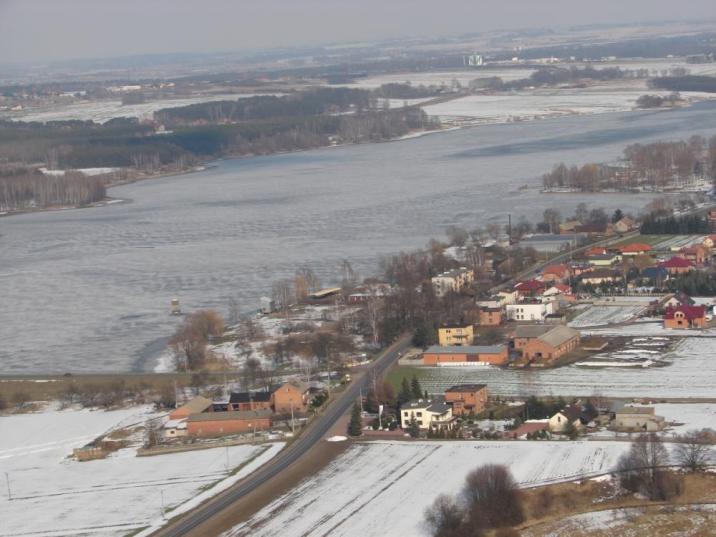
(595,250)
(677,265)
(685,317)
(529,287)
(555,273)
(696,254)
(636,248)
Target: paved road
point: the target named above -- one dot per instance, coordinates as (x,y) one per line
(312,435)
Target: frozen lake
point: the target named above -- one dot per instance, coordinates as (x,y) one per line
(89,290)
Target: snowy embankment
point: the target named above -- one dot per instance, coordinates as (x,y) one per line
(383,488)
(53,495)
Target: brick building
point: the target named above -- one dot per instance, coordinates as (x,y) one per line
(208,424)
(466,398)
(466,355)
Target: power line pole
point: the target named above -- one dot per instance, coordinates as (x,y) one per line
(7,480)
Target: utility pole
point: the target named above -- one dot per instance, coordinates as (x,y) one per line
(293,425)
(227,458)
(7,480)
(164,516)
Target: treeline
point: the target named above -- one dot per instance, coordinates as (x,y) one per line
(685,83)
(674,225)
(407,91)
(655,165)
(309,103)
(657,101)
(30,190)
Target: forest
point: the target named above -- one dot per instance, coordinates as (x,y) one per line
(30,190)
(685,83)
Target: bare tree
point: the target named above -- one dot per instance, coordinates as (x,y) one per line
(282,293)
(642,469)
(693,452)
(492,498)
(445,518)
(234,312)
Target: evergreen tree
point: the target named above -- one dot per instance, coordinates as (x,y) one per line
(414,430)
(355,427)
(416,390)
(405,394)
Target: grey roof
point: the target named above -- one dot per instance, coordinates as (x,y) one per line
(197,404)
(531,330)
(224,416)
(465,349)
(558,335)
(466,388)
(433,405)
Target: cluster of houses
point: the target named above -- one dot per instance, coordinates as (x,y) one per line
(241,412)
(444,412)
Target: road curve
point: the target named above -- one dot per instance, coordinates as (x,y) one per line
(312,435)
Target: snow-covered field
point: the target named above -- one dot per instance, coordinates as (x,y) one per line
(383,488)
(688,370)
(53,495)
(545,103)
(102,111)
(601,315)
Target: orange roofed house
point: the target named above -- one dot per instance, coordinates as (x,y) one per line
(466,355)
(555,273)
(684,316)
(293,396)
(634,249)
(466,398)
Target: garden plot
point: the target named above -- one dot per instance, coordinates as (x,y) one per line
(383,488)
(688,370)
(604,315)
(639,352)
(55,495)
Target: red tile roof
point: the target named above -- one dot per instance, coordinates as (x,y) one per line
(595,250)
(690,312)
(635,248)
(676,262)
(529,285)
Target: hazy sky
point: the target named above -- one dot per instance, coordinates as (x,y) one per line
(32,30)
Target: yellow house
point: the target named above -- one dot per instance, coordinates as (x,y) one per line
(451,336)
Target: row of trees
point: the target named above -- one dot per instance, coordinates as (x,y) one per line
(31,190)
(674,225)
(655,165)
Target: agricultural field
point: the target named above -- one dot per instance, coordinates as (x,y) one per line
(53,494)
(600,315)
(383,488)
(687,370)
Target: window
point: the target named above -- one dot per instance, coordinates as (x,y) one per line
(419,414)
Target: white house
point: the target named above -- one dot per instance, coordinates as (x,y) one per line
(529,311)
(572,413)
(427,413)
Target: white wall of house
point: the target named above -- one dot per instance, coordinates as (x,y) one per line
(529,312)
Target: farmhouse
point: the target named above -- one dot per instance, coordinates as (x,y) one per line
(466,355)
(569,414)
(684,316)
(208,424)
(624,225)
(427,413)
(293,396)
(455,336)
(466,398)
(452,281)
(525,333)
(631,418)
(529,287)
(196,405)
(552,344)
